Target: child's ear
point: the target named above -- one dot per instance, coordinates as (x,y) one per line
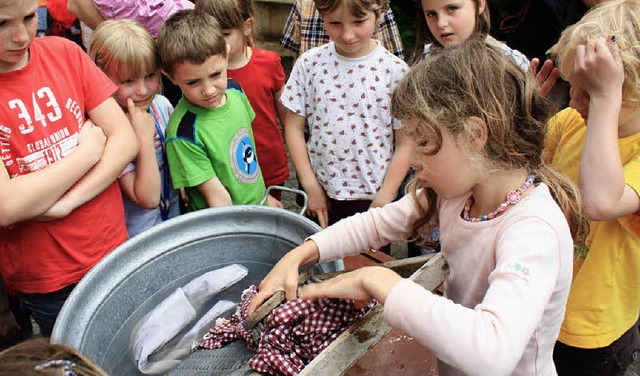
(477,133)
(248,26)
(481,5)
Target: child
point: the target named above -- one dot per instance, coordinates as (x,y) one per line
(150,13)
(61,210)
(447,24)
(37,357)
(597,144)
(304,30)
(479,128)
(127,53)
(209,139)
(356,155)
(262,78)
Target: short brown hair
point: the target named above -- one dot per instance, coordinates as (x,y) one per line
(356,7)
(192,36)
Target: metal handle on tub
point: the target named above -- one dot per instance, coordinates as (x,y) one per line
(287,189)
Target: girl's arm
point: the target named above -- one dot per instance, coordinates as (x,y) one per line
(28,196)
(350,236)
(142,185)
(598,71)
(215,193)
(281,110)
(120,149)
(397,170)
(294,136)
(86,12)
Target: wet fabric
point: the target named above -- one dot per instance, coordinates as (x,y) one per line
(293,334)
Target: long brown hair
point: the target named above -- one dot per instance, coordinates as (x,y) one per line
(477,80)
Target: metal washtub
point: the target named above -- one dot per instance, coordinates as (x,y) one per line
(100,314)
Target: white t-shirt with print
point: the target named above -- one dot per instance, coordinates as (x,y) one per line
(347,104)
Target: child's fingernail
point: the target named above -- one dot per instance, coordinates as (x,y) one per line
(613,38)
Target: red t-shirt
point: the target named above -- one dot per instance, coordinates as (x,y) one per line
(42,107)
(261,79)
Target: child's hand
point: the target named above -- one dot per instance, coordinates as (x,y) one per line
(144,125)
(361,285)
(597,69)
(91,140)
(272,201)
(318,206)
(547,75)
(284,276)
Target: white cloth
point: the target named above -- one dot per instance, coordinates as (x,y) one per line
(159,327)
(347,103)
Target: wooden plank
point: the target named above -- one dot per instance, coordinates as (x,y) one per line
(351,345)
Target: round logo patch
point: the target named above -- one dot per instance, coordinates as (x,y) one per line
(243,157)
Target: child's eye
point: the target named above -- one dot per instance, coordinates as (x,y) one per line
(30,17)
(334,23)
(192,83)
(359,22)
(429,14)
(151,75)
(452,8)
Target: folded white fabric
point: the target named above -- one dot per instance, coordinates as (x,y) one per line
(154,348)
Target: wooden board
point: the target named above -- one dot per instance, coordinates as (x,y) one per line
(351,345)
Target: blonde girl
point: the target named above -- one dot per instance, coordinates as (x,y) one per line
(506,221)
(261,75)
(127,53)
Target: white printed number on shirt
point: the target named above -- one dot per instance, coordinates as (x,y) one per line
(52,115)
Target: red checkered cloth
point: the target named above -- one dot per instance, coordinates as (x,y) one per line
(293,334)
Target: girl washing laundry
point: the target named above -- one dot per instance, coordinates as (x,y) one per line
(508,222)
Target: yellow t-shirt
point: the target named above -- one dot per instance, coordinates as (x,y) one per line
(604,301)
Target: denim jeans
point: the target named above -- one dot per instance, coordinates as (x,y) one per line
(45,307)
(611,360)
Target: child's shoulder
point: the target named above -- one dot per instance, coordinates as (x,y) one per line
(55,44)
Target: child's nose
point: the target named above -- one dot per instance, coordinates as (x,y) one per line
(20,35)
(141,88)
(442,21)
(347,33)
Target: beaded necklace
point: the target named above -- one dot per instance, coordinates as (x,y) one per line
(513,197)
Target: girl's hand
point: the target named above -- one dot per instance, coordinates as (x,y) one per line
(547,75)
(598,70)
(284,275)
(91,140)
(318,206)
(144,125)
(364,284)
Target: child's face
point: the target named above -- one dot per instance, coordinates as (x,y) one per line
(450,171)
(352,35)
(451,22)
(203,85)
(18,26)
(141,90)
(236,39)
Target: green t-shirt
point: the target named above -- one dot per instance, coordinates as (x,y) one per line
(206,143)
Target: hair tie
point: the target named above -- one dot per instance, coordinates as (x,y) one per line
(69,366)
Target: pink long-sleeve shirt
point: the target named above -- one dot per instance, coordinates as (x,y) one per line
(506,291)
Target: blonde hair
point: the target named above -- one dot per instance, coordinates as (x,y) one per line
(474,79)
(356,7)
(229,15)
(124,49)
(189,35)
(617,17)
(23,358)
(424,35)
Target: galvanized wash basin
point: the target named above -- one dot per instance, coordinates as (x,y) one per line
(101,313)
